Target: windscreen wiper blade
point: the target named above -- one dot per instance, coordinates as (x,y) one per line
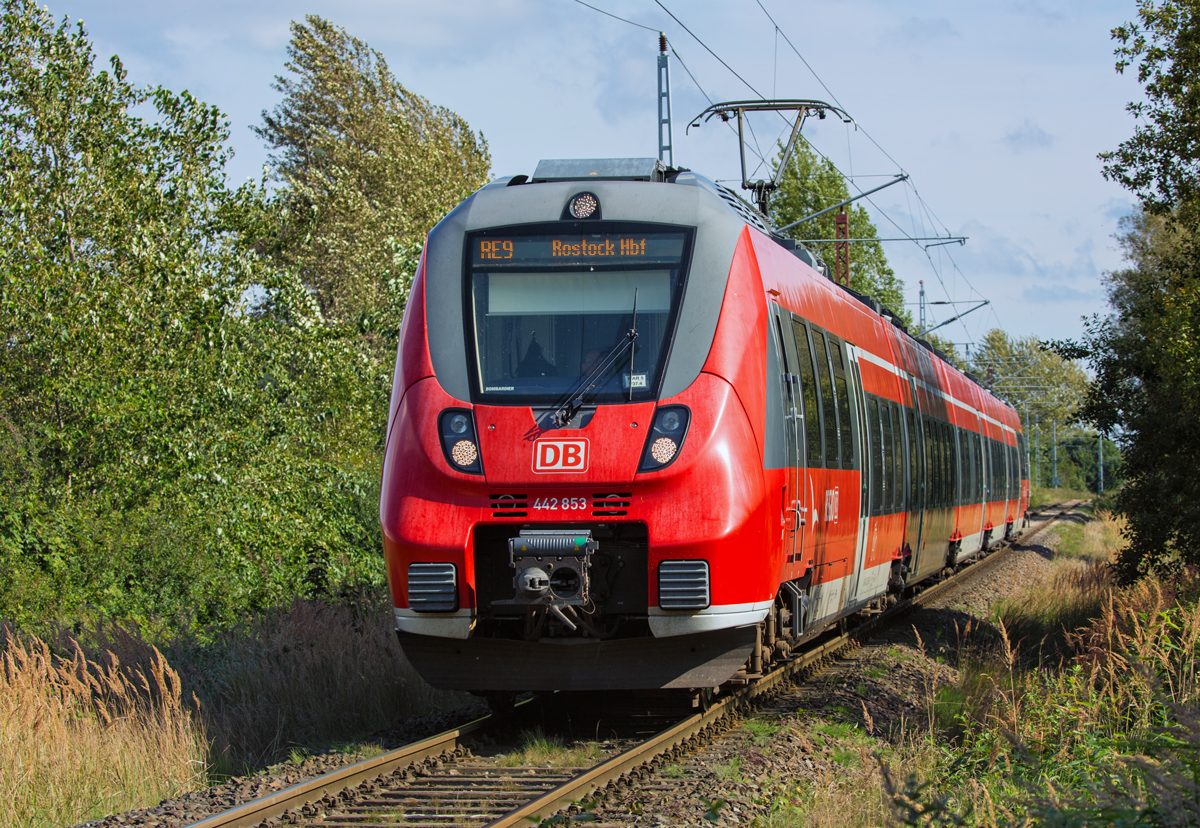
(567,411)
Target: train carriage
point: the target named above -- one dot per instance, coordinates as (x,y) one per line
(636,441)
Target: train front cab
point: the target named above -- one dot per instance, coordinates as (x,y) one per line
(669,540)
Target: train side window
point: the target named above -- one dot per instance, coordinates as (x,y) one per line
(828,406)
(901,459)
(1002,479)
(942,499)
(914,454)
(1003,471)
(940,436)
(1020,460)
(898,451)
(898,491)
(1000,471)
(991,470)
(1020,456)
(981,483)
(843,400)
(876,450)
(969,437)
(808,389)
(948,468)
(956,464)
(889,457)
(889,460)
(994,487)
(951,476)
(930,464)
(1012,471)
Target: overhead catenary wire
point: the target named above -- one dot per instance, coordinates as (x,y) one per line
(757,149)
(923,210)
(710,51)
(616,17)
(923,206)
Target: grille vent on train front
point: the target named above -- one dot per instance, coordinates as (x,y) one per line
(432,587)
(509,505)
(683,585)
(750,215)
(611,505)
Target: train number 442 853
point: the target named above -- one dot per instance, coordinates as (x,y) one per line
(560,503)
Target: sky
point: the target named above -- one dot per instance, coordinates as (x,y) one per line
(997,110)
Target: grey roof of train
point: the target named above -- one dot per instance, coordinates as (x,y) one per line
(619,171)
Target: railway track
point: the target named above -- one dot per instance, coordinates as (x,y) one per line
(439,782)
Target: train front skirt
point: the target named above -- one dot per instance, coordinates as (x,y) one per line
(492,664)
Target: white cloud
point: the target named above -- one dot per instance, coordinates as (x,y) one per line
(1028,136)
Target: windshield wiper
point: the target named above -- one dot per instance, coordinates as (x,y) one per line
(567,411)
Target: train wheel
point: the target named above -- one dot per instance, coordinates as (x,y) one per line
(704,697)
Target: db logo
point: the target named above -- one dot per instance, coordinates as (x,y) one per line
(560,456)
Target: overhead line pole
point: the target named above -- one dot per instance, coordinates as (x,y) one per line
(666,153)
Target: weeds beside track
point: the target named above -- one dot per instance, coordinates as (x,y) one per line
(457,791)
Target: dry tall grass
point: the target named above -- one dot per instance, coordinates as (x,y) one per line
(1109,734)
(100,723)
(313,675)
(1040,620)
(80,738)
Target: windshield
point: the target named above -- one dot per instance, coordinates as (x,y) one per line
(549,307)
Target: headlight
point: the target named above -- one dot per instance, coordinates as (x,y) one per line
(459,444)
(666,437)
(584,205)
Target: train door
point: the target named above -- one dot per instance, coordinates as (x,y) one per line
(810,414)
(977,478)
(864,448)
(917,482)
(793,493)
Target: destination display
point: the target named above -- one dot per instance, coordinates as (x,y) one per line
(593,249)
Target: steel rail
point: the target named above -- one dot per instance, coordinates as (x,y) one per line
(254,812)
(581,786)
(274,805)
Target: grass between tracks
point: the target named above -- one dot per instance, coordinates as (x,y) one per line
(100,721)
(1078,704)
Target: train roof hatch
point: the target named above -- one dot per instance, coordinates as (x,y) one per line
(599,169)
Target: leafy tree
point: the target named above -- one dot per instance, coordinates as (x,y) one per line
(811,183)
(369,167)
(166,451)
(1160,163)
(1033,378)
(1046,389)
(1146,390)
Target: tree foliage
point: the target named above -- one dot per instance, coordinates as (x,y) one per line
(1048,392)
(1160,163)
(812,183)
(368,167)
(1146,354)
(1035,379)
(1146,359)
(184,433)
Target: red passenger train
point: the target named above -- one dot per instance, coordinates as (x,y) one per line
(636,441)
